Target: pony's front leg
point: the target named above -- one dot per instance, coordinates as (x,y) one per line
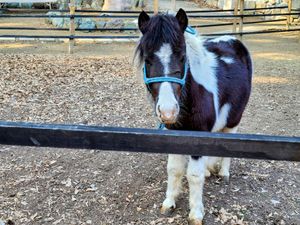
(176,170)
(196,178)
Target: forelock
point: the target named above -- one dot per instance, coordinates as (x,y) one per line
(161,29)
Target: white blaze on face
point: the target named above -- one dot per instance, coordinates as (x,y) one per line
(167,106)
(164,55)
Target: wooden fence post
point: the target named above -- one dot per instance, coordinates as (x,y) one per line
(155,6)
(72,26)
(235,20)
(173,4)
(288,18)
(242,3)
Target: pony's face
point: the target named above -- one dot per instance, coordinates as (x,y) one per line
(162,52)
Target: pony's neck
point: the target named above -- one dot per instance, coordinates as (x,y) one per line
(194,45)
(202,65)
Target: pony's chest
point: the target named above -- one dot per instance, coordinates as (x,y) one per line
(198,112)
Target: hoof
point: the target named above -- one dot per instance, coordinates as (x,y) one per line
(167,211)
(207,173)
(195,222)
(226,179)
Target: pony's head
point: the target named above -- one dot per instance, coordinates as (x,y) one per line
(162,53)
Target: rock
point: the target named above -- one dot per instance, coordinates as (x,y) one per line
(58,22)
(130,24)
(78,21)
(39,5)
(49,20)
(97,4)
(78,3)
(115,23)
(19,5)
(87,23)
(100,24)
(63,4)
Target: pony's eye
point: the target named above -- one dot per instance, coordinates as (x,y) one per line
(148,63)
(182,60)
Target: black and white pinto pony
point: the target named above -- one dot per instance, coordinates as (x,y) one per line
(194,84)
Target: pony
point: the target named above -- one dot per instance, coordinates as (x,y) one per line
(194,84)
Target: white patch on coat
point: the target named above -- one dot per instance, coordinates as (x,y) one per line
(227,60)
(202,65)
(164,55)
(225,38)
(196,178)
(166,100)
(221,120)
(225,163)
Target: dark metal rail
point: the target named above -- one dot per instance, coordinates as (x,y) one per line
(135,16)
(135,36)
(132,29)
(137,12)
(150,141)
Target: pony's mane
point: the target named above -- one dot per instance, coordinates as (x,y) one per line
(163,28)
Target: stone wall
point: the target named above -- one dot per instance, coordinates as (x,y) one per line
(91,23)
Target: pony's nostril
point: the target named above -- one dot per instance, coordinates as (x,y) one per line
(158,108)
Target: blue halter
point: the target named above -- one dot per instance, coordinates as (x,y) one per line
(191,30)
(161,79)
(181,81)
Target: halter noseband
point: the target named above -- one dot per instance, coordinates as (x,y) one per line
(181,81)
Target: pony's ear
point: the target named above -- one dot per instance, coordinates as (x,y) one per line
(182,19)
(143,20)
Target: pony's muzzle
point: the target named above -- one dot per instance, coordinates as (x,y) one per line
(167,114)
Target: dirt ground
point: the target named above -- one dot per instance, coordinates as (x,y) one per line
(97,85)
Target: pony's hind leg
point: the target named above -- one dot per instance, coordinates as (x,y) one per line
(224,171)
(225,162)
(176,170)
(196,178)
